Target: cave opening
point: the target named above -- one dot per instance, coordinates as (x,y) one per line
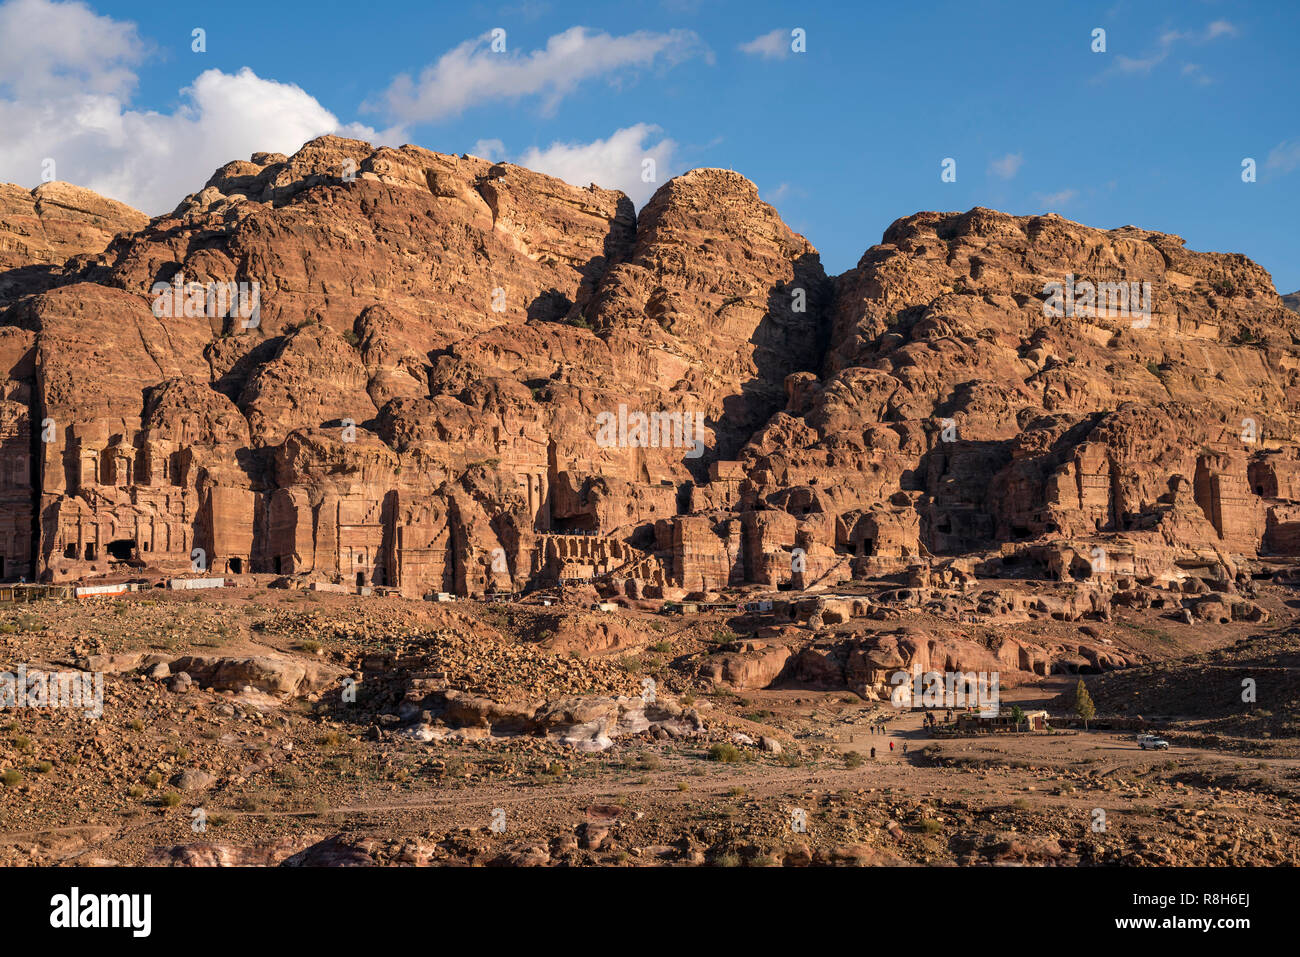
(120,549)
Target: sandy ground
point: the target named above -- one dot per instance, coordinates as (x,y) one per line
(288,772)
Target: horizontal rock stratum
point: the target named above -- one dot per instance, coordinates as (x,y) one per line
(440,374)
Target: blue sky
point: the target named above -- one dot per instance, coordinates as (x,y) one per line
(843,138)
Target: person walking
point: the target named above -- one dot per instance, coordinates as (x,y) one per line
(891,745)
(873,754)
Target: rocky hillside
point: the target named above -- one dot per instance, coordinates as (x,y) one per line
(43,228)
(949,400)
(403,368)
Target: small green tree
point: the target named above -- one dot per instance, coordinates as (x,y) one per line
(1083,705)
(1017,715)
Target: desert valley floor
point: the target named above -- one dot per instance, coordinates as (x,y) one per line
(284,768)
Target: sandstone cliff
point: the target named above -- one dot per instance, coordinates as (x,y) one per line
(42,228)
(399,367)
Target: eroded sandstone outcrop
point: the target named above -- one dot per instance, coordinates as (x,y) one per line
(439,374)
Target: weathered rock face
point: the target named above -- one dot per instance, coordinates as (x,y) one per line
(951,396)
(410,389)
(42,228)
(404,368)
(39,230)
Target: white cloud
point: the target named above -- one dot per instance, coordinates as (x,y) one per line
(614,163)
(783,193)
(471,74)
(1128,64)
(1006,167)
(61,48)
(65,98)
(770,46)
(491,150)
(152,160)
(1058,199)
(1219,28)
(1284,157)
(1165,47)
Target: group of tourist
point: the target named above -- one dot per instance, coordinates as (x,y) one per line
(891,748)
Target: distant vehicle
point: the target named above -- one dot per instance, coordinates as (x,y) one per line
(1149,742)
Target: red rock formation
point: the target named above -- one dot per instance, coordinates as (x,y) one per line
(398,367)
(946,380)
(39,230)
(42,228)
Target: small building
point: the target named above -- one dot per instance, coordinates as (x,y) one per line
(974,722)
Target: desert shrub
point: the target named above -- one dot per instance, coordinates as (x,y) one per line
(726,753)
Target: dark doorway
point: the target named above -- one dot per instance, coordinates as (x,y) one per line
(236,566)
(122,549)
(278,565)
(90,551)
(361,579)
